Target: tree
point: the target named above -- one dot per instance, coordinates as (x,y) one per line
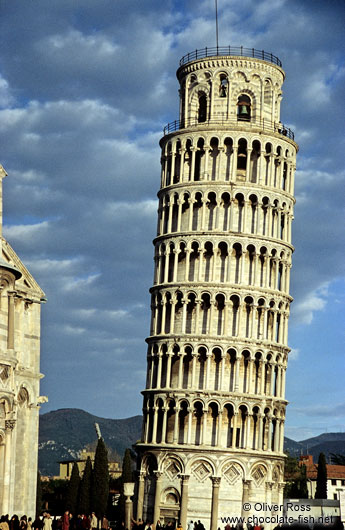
(127,467)
(85,489)
(73,490)
(295,479)
(38,495)
(100,480)
(321,480)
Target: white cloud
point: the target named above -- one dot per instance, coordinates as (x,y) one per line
(314,301)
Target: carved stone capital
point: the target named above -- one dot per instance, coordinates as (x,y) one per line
(10,424)
(216,481)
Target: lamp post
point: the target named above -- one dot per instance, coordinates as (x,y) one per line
(128,490)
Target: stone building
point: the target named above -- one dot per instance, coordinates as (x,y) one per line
(335,478)
(20,307)
(214,403)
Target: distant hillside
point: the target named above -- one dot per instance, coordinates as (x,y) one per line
(65,432)
(326,443)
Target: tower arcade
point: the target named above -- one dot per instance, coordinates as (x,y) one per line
(214,403)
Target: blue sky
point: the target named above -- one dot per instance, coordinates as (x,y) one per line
(85,90)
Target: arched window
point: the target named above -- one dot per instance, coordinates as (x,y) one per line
(243,108)
(223,86)
(202,111)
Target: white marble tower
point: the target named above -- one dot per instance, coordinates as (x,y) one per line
(214,403)
(20,308)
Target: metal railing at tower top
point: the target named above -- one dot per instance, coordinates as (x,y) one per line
(263,124)
(238,51)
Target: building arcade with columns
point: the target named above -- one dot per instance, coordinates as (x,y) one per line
(214,402)
(20,308)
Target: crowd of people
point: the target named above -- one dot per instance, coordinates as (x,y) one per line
(46,522)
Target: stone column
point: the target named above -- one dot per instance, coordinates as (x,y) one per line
(180,371)
(237,374)
(234,429)
(261,424)
(159,371)
(271,392)
(215,501)
(155,421)
(175,434)
(245,496)
(193,150)
(281,436)
(208,362)
(194,369)
(219,428)
(269,486)
(234,163)
(172,316)
(6,496)
(189,432)
(184,500)
(179,214)
(169,356)
(164,427)
(10,323)
(204,426)
(248,166)
(141,489)
(156,512)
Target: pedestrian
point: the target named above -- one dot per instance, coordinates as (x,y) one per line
(65,520)
(93,521)
(3,523)
(105,523)
(47,522)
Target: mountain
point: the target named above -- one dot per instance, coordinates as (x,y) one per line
(326,443)
(65,432)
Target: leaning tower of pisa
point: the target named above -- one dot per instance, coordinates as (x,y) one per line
(214,403)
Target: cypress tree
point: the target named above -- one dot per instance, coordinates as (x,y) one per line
(100,480)
(321,480)
(85,489)
(127,468)
(73,490)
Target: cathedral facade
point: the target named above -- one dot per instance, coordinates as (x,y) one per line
(214,402)
(20,307)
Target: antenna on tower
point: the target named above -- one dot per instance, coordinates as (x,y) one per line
(216,24)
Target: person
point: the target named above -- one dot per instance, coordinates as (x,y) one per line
(86,523)
(158,525)
(93,521)
(105,523)
(179,526)
(47,522)
(190,525)
(3,523)
(65,520)
(14,523)
(29,523)
(227,527)
(23,524)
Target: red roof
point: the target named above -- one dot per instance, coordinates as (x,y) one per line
(332,471)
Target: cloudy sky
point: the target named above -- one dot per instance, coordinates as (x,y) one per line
(86,87)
